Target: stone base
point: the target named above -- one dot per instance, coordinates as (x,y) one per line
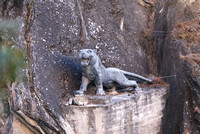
(121,114)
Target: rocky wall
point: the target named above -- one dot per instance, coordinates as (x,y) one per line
(52,33)
(176,41)
(134,35)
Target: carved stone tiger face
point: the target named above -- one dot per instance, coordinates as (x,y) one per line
(87,57)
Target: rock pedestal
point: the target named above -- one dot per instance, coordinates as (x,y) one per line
(125,113)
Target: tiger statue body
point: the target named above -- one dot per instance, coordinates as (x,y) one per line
(94,71)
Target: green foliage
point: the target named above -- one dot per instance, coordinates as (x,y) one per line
(11,57)
(10,60)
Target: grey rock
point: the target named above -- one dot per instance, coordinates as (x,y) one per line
(132,35)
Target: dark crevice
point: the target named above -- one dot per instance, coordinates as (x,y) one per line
(27,36)
(85,35)
(169,63)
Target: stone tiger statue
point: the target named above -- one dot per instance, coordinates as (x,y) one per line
(94,71)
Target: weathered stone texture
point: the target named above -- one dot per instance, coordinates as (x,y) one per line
(53,31)
(172,43)
(121,114)
(128,34)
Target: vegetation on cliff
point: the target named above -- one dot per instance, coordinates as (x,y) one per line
(11,58)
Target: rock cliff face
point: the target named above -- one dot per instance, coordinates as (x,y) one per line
(176,39)
(139,36)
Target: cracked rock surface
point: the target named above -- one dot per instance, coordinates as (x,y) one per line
(133,35)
